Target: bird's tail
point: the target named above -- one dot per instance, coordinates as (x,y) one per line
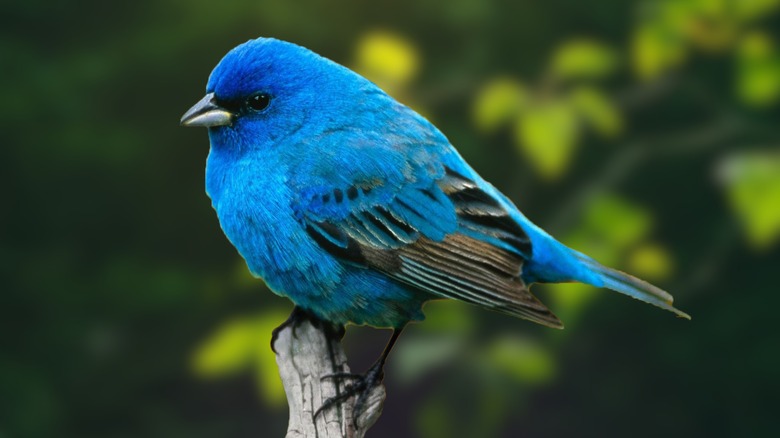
(631,286)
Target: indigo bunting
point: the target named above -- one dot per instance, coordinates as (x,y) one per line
(359,210)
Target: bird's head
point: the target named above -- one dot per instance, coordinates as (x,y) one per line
(267,89)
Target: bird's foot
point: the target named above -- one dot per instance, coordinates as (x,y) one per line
(298,315)
(362,386)
(293,320)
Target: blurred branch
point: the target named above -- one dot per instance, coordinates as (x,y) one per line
(701,276)
(621,164)
(649,93)
(305,355)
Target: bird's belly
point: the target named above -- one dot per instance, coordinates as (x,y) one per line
(360,296)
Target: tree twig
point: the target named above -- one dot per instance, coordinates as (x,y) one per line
(306,354)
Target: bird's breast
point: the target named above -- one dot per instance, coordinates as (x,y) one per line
(254,207)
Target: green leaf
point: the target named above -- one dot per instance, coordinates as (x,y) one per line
(498,102)
(618,221)
(752,183)
(242,343)
(756,45)
(547,135)
(229,349)
(710,7)
(584,59)
(570,299)
(266,373)
(758,70)
(448,316)
(387,58)
(656,49)
(709,25)
(597,111)
(522,359)
(651,261)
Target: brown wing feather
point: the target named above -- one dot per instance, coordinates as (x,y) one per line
(465,269)
(480,263)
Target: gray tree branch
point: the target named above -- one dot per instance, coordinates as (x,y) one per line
(304,356)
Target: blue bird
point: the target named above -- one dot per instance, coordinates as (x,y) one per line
(359,210)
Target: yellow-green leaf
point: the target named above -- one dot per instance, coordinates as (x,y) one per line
(713,26)
(590,241)
(753,188)
(448,316)
(656,49)
(651,261)
(266,373)
(498,102)
(583,58)
(229,349)
(758,70)
(710,7)
(570,299)
(673,15)
(242,343)
(387,58)
(547,135)
(617,220)
(523,359)
(597,111)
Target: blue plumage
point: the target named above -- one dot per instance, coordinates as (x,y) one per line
(357,208)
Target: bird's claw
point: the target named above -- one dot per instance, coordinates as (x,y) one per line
(335,376)
(332,331)
(295,317)
(362,387)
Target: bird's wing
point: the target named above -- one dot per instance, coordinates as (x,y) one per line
(441,234)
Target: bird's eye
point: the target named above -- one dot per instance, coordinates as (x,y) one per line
(258,102)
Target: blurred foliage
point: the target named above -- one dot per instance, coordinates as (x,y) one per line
(388,59)
(127,313)
(669,30)
(583,59)
(752,181)
(758,70)
(547,133)
(499,101)
(524,359)
(597,111)
(650,261)
(549,117)
(237,345)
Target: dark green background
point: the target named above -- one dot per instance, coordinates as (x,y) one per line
(115,269)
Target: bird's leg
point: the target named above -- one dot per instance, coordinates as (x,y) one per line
(362,385)
(332,331)
(295,317)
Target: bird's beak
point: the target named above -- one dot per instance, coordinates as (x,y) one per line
(207,113)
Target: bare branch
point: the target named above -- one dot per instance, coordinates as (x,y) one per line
(305,354)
